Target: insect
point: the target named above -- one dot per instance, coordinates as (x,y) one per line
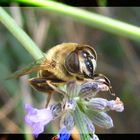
(63,62)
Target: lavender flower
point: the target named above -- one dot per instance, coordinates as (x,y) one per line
(100,104)
(38,118)
(93,110)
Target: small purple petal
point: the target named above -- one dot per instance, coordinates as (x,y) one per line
(37,128)
(63,134)
(36,135)
(30,109)
(37,118)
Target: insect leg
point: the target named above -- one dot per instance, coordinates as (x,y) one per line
(48,99)
(39,84)
(44,85)
(55,88)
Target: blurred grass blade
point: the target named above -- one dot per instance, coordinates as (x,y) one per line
(17,31)
(95,20)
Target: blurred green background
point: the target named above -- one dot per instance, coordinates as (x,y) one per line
(118,59)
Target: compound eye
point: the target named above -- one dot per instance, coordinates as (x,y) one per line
(88,63)
(72,62)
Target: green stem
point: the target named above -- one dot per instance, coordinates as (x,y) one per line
(95,20)
(80,123)
(24,39)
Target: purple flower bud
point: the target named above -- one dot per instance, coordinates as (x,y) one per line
(67,121)
(91,88)
(56,109)
(88,89)
(100,104)
(100,118)
(37,118)
(97,104)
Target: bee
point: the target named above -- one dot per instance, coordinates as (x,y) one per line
(62,63)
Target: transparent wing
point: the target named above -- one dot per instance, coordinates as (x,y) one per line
(40,64)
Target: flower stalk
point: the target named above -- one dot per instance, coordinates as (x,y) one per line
(19,33)
(81,125)
(92,19)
